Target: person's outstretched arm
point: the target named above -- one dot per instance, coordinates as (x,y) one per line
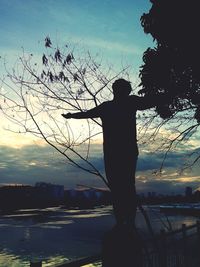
(92,113)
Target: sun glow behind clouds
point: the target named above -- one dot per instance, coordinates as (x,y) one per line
(188,179)
(16,140)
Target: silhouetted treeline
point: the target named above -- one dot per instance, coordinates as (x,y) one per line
(26,196)
(163,199)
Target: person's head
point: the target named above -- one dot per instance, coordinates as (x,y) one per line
(121,88)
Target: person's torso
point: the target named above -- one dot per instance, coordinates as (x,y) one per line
(119,123)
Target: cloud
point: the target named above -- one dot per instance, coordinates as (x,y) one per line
(173,178)
(113,46)
(153,161)
(10,136)
(33,163)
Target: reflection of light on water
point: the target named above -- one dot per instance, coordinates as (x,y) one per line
(19,215)
(50,209)
(50,226)
(54,260)
(60,234)
(10,225)
(58,222)
(97,264)
(89,213)
(54,224)
(5,225)
(7,259)
(161,220)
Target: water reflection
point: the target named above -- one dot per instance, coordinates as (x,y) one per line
(53,235)
(162,221)
(56,235)
(9,260)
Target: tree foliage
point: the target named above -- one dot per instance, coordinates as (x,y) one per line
(172,66)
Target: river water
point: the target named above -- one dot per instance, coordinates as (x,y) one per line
(55,235)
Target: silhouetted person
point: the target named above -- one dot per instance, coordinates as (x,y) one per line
(120,145)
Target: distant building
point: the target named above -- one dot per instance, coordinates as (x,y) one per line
(151,194)
(142,195)
(87,196)
(50,191)
(188,191)
(197,195)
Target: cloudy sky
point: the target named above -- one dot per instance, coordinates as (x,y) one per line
(109,27)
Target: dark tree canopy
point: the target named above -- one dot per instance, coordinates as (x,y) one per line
(173,65)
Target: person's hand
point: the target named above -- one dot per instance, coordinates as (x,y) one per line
(67,116)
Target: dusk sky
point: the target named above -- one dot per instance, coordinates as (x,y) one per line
(111,28)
